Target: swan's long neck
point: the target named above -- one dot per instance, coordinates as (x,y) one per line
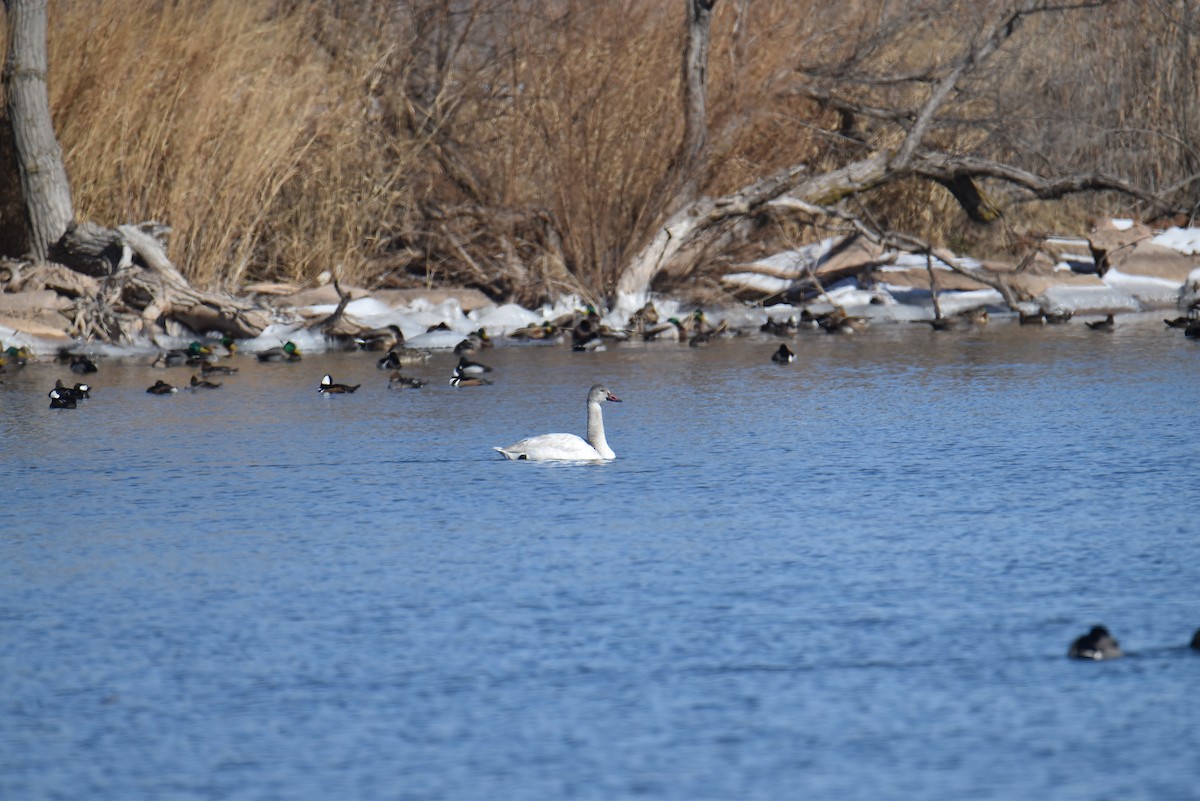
(595,431)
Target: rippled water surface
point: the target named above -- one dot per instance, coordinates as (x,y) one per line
(855,577)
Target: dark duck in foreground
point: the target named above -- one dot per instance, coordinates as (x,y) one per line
(569,447)
(1096,644)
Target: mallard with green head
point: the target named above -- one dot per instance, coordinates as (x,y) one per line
(287,353)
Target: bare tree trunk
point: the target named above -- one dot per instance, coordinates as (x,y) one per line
(39,157)
(695,96)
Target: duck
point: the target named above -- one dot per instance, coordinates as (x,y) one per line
(194,354)
(1058,316)
(384,338)
(1096,644)
(457,379)
(202,383)
(468,367)
(208,369)
(545,330)
(16,356)
(783,356)
(1102,325)
(60,401)
(838,322)
(780,328)
(569,447)
(1193,329)
(1032,318)
(288,352)
(399,357)
(82,364)
(78,392)
(1178,322)
(162,388)
(398,381)
(329,388)
(586,337)
(230,345)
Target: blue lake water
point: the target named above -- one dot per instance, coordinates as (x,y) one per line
(854,577)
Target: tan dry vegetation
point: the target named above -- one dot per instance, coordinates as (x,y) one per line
(526,147)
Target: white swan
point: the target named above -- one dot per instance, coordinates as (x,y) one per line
(569,447)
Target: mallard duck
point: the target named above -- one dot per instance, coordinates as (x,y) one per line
(400,357)
(1058,316)
(78,392)
(398,381)
(194,354)
(202,383)
(838,322)
(230,345)
(384,338)
(586,336)
(329,388)
(1102,325)
(162,388)
(544,330)
(16,356)
(783,356)
(1032,318)
(60,401)
(208,369)
(287,353)
(457,379)
(1096,644)
(468,367)
(783,328)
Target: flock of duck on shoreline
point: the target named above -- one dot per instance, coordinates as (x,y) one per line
(583,329)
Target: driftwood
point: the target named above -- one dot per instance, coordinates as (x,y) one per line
(138,288)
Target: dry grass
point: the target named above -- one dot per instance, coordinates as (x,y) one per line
(525,146)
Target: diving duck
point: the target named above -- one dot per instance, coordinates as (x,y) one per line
(468,367)
(401,357)
(287,353)
(202,383)
(1102,325)
(60,401)
(82,364)
(1096,644)
(162,388)
(783,356)
(457,379)
(384,338)
(329,388)
(398,381)
(78,392)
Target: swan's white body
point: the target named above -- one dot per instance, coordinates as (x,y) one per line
(569,447)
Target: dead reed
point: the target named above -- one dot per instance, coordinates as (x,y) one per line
(526,146)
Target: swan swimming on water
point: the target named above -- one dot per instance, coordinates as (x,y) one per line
(570,447)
